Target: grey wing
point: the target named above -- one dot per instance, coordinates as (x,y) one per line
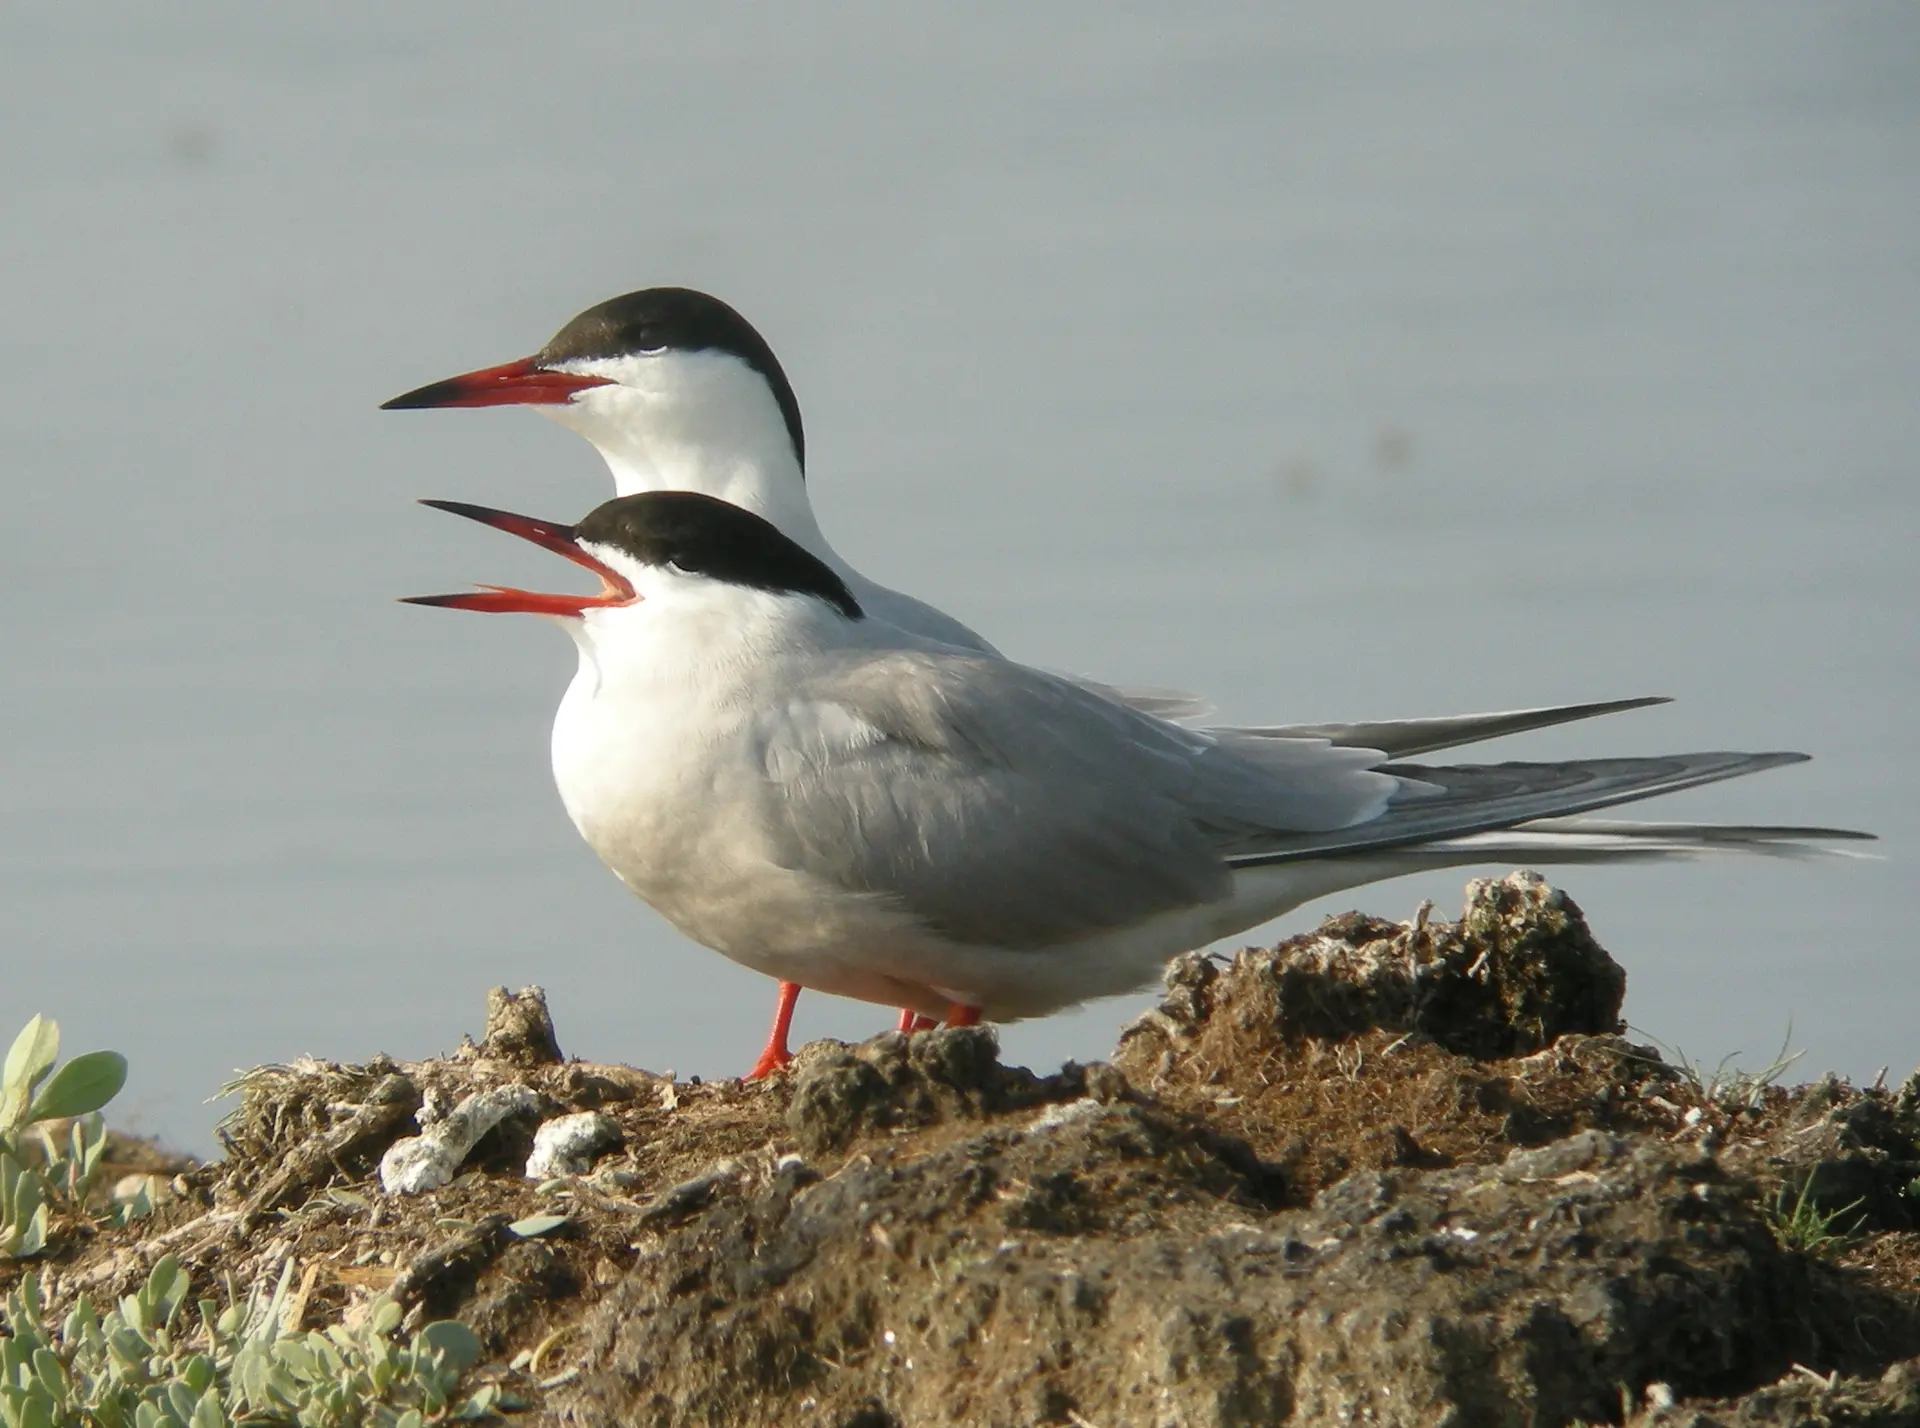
(1452,802)
(1405,738)
(1713,834)
(1009,808)
(1393,738)
(920,618)
(1172,704)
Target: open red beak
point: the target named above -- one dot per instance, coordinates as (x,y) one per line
(504,600)
(515,384)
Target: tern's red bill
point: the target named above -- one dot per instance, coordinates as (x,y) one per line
(504,600)
(512,384)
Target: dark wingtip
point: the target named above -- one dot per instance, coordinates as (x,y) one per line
(1803,833)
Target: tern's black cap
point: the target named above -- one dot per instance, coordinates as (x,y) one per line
(677,319)
(710,537)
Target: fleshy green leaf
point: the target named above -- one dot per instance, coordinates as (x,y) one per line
(298,1359)
(27,1213)
(480,1404)
(35,1239)
(32,1055)
(181,1401)
(46,1368)
(536,1225)
(452,1342)
(197,1374)
(166,1287)
(33,1052)
(207,1413)
(84,1084)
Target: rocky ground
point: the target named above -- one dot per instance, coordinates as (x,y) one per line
(1383,1173)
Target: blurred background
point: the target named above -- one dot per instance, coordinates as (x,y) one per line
(1366,362)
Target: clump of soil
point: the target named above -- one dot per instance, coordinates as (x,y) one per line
(1518,971)
(1378,1044)
(1385,1173)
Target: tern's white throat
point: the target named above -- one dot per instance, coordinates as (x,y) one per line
(702,421)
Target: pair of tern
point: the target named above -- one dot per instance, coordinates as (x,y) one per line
(847,789)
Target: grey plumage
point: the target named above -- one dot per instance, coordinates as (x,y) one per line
(985,802)
(838,802)
(1407,738)
(1464,799)
(998,806)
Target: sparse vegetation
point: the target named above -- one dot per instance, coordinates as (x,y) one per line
(1799,1223)
(147,1363)
(58,1170)
(1727,1085)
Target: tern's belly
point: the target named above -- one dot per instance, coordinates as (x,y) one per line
(636,793)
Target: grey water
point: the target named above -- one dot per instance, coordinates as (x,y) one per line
(1333,362)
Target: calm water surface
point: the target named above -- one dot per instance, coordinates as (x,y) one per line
(1336,366)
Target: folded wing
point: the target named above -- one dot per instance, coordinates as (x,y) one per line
(1005,807)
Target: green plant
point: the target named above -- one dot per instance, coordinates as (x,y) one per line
(1727,1085)
(1798,1222)
(146,1364)
(32,1093)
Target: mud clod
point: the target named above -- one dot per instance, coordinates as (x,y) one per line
(896,1083)
(1515,973)
(520,1029)
(1387,1173)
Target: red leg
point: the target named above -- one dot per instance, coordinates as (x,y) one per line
(958,1015)
(911,1021)
(776,1056)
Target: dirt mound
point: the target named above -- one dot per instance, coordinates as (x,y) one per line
(1386,1173)
(1518,971)
(1095,1262)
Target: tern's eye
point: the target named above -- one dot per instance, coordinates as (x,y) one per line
(650,342)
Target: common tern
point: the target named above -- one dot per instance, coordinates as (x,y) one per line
(844,804)
(679,392)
